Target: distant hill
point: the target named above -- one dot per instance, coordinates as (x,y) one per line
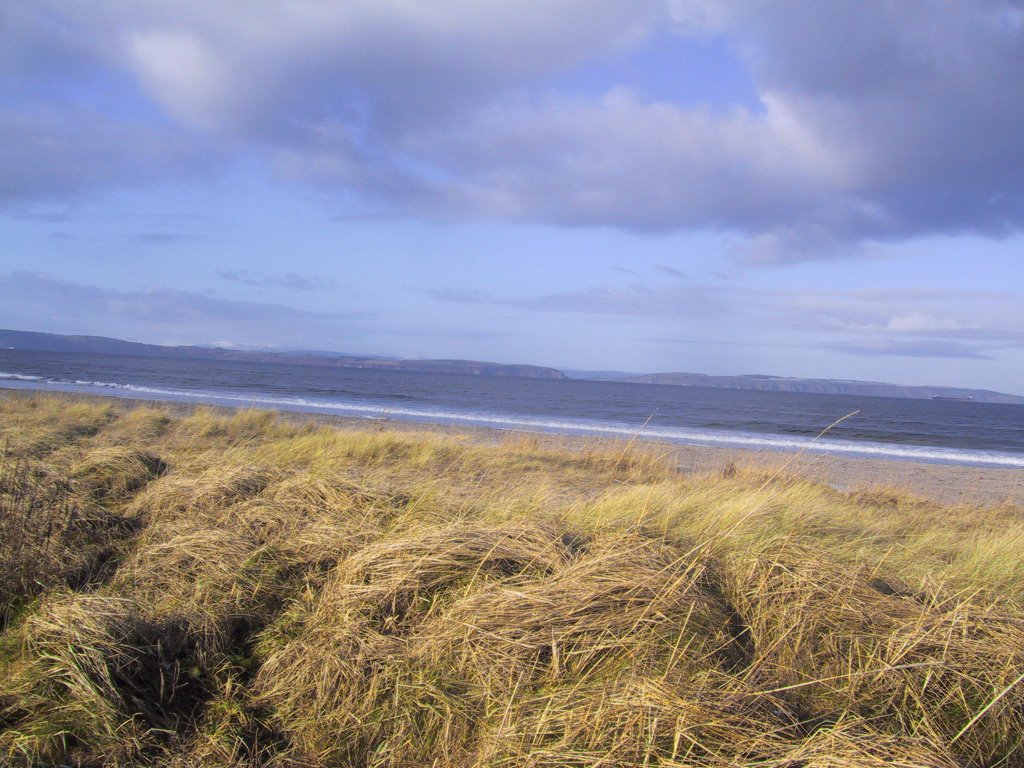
(101,345)
(573,373)
(824,386)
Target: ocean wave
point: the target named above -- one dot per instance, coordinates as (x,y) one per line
(19,376)
(683,435)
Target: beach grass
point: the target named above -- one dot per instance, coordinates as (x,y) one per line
(195,587)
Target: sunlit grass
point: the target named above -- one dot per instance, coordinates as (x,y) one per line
(212,588)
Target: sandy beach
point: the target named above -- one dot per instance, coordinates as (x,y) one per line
(943,483)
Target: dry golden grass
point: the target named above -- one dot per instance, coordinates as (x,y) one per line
(238,589)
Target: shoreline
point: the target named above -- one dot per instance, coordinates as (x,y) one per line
(949,484)
(728,440)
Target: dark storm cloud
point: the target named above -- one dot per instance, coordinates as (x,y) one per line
(878,121)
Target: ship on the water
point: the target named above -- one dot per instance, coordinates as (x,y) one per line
(961,398)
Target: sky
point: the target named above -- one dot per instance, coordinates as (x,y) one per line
(815,188)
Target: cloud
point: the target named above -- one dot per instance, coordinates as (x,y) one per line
(572,161)
(635,300)
(290,280)
(717,343)
(915,96)
(919,321)
(670,271)
(911,323)
(460,295)
(945,349)
(422,331)
(165,315)
(23,213)
(990,316)
(967,315)
(54,153)
(876,121)
(159,238)
(383,66)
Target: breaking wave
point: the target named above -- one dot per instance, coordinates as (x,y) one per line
(511,421)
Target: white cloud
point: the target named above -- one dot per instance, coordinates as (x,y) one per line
(914,323)
(922,322)
(628,163)
(880,120)
(185,73)
(39,302)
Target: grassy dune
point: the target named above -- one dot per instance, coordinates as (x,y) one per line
(241,590)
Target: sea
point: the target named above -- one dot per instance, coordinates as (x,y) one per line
(936,431)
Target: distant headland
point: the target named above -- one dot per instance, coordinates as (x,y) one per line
(101,345)
(823,386)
